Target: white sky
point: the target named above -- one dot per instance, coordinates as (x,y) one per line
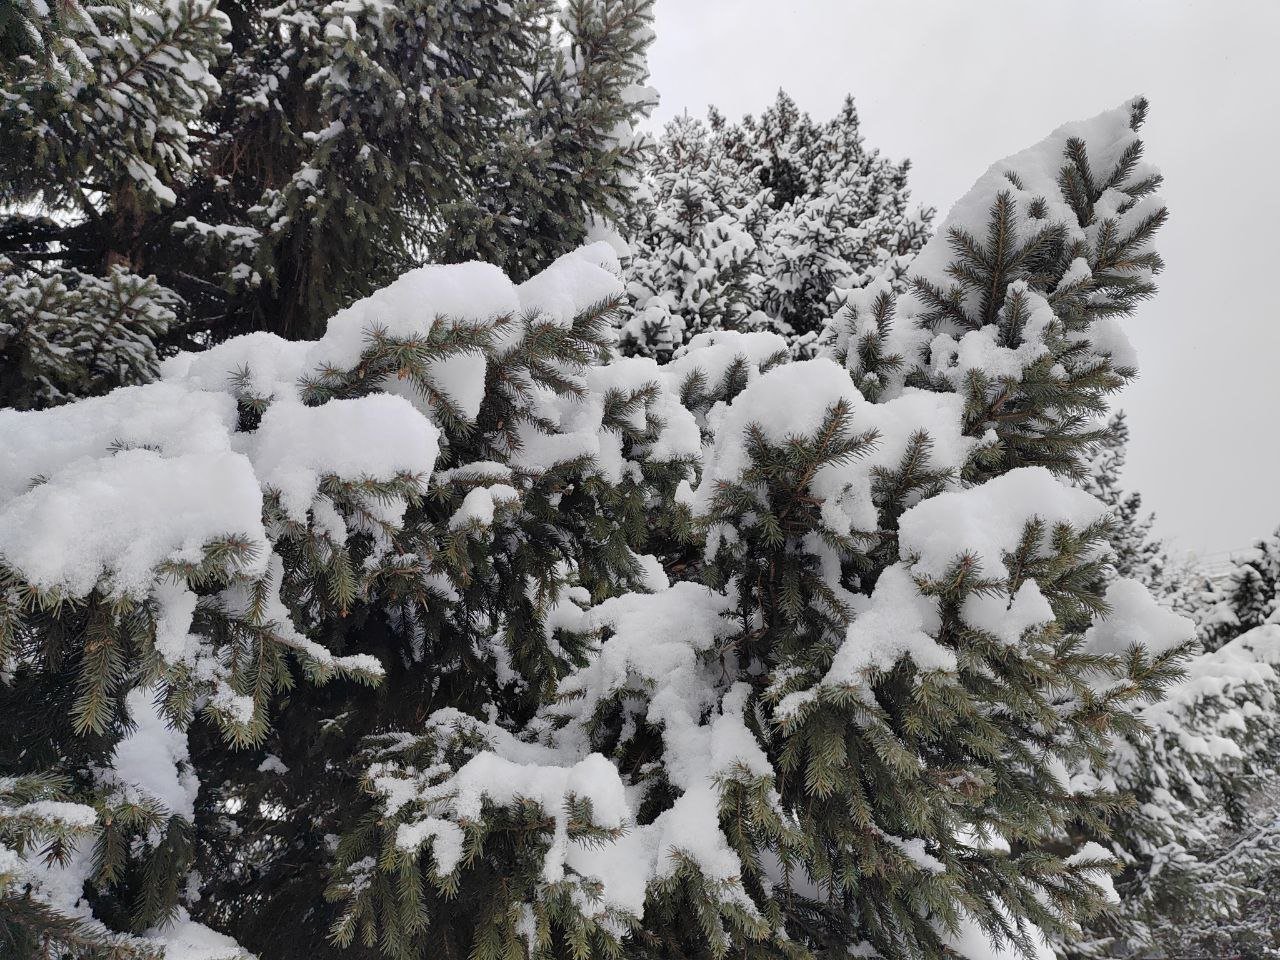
(956,86)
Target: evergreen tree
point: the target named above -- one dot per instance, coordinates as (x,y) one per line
(763,225)
(699,268)
(534,517)
(391,588)
(850,222)
(97,123)
(195,172)
(1137,553)
(1247,596)
(1200,843)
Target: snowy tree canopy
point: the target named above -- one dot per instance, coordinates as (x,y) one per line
(529,648)
(177,172)
(763,224)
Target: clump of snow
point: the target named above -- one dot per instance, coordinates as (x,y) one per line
(917,852)
(267,365)
(980,350)
(1005,617)
(678,434)
(1107,338)
(653,658)
(1137,620)
(987,521)
(153,759)
(691,827)
(377,437)
(509,773)
(460,377)
(408,308)
(185,939)
(71,815)
(61,885)
(856,322)
(479,504)
(573,283)
(656,637)
(655,577)
(489,777)
(1098,876)
(656,650)
(168,418)
(896,421)
(177,606)
(789,401)
(118,518)
(896,621)
(715,352)
(272,764)
(1240,672)
(445,836)
(579,434)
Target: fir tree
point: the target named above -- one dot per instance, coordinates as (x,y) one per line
(763,225)
(392,589)
(852,221)
(806,764)
(1247,596)
(1137,552)
(699,268)
(487,613)
(1201,843)
(97,125)
(262,167)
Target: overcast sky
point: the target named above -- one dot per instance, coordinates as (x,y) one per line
(956,86)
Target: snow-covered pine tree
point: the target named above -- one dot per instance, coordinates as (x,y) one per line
(1138,554)
(98,124)
(1247,596)
(803,755)
(435,129)
(1200,847)
(851,222)
(568,158)
(1202,838)
(780,143)
(534,509)
(699,266)
(266,494)
(845,727)
(799,210)
(186,175)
